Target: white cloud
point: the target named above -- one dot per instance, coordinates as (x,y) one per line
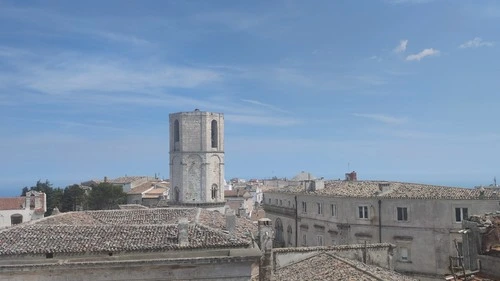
(402,46)
(476,43)
(382,118)
(424,53)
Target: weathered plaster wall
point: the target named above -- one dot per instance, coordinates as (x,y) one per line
(188,269)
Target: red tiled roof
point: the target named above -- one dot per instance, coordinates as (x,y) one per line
(14,203)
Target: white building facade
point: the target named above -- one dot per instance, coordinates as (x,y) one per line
(421,220)
(17,210)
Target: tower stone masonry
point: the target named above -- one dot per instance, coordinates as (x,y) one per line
(197,159)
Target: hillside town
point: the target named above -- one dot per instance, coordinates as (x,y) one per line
(198,226)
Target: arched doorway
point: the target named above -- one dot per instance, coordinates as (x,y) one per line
(16,219)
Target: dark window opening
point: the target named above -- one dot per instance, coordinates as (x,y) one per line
(176,131)
(49,255)
(215,141)
(16,219)
(176,194)
(110,254)
(279,242)
(402,214)
(214,191)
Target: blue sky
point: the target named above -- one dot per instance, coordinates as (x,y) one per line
(394,89)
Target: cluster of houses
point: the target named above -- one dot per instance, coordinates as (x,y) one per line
(198,226)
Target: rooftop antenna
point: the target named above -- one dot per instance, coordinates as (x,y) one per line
(495,181)
(348,166)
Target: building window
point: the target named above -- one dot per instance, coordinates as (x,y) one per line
(275,201)
(16,219)
(320,208)
(363,212)
(333,210)
(461,214)
(214,191)
(304,207)
(289,203)
(278,239)
(289,233)
(402,213)
(304,240)
(281,202)
(404,254)
(320,240)
(269,200)
(214,134)
(176,131)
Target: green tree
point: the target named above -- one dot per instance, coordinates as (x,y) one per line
(106,196)
(72,197)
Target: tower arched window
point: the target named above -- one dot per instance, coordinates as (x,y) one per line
(215,191)
(176,131)
(215,134)
(176,194)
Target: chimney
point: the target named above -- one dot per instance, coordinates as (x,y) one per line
(266,235)
(352,176)
(182,236)
(230,220)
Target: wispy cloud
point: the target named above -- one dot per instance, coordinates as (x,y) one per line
(261,120)
(125,38)
(382,118)
(424,53)
(69,73)
(265,105)
(402,46)
(476,43)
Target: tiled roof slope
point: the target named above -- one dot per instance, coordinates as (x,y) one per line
(14,203)
(325,266)
(42,239)
(385,189)
(123,230)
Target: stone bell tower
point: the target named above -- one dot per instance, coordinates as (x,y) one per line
(197,159)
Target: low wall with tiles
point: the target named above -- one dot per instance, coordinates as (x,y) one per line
(376,254)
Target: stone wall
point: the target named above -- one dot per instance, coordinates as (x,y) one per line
(489,266)
(225,268)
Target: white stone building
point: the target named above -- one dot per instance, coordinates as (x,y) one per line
(421,220)
(16,210)
(197,159)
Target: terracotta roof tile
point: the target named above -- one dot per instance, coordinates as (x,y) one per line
(14,203)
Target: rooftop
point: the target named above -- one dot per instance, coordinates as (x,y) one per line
(325,266)
(135,230)
(13,203)
(391,189)
(126,179)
